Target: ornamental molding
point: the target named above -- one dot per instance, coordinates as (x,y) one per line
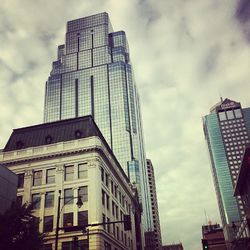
(28,173)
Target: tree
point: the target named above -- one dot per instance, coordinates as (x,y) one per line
(19,229)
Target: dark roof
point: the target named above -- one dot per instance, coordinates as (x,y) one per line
(53,132)
(244,168)
(59,131)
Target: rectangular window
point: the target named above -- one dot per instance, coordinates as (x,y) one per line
(116,212)
(36,199)
(107,180)
(112,187)
(222,116)
(83,218)
(103,198)
(107,201)
(69,173)
(102,174)
(116,191)
(50,176)
(117,233)
(83,193)
(37,178)
(20,180)
(230,114)
(67,219)
(68,196)
(120,197)
(37,222)
(108,225)
(83,171)
(113,208)
(48,224)
(237,113)
(103,221)
(49,199)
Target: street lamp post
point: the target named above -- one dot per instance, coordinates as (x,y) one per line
(79,204)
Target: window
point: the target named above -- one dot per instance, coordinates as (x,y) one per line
(50,176)
(112,187)
(222,116)
(102,174)
(20,180)
(103,221)
(36,222)
(117,233)
(83,193)
(237,113)
(116,191)
(36,199)
(67,219)
(103,198)
(82,218)
(230,114)
(37,178)
(48,224)
(116,212)
(107,201)
(69,173)
(108,225)
(107,180)
(83,171)
(49,199)
(68,194)
(113,208)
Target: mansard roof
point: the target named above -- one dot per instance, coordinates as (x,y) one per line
(53,132)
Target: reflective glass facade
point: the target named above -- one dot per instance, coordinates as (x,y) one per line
(226,131)
(93,76)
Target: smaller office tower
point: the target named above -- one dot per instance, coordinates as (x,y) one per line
(227,130)
(153,237)
(213,237)
(60,161)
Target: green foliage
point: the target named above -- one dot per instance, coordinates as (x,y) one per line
(19,229)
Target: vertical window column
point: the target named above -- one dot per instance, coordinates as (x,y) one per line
(76,96)
(92,96)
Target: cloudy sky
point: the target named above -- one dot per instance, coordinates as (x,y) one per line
(186,54)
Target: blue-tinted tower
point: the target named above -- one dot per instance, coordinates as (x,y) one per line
(227,130)
(93,76)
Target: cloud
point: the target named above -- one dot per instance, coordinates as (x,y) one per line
(185,54)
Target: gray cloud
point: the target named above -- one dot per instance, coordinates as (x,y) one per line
(185,55)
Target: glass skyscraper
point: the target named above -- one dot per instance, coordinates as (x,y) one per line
(227,130)
(93,76)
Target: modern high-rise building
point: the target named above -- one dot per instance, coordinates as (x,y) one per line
(153,237)
(227,130)
(93,76)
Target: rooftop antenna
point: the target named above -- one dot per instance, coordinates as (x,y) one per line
(206,219)
(221,98)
